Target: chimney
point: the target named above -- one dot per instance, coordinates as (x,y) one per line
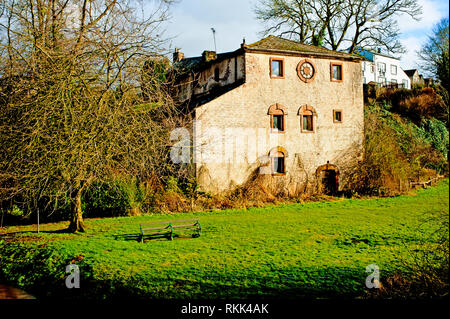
(243,43)
(209,56)
(379,50)
(177,55)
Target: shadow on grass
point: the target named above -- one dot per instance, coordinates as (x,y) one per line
(30,235)
(58,231)
(264,280)
(279,283)
(287,283)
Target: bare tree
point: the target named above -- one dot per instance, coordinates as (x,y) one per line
(288,18)
(338,24)
(435,57)
(435,53)
(72,110)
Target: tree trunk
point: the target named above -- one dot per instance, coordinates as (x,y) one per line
(77,224)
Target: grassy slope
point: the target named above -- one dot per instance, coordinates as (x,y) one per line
(313,249)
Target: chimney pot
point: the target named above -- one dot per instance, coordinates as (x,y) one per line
(177,55)
(243,43)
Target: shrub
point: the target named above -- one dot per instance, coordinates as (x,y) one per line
(106,200)
(135,192)
(396,151)
(426,104)
(414,104)
(393,96)
(435,132)
(11,215)
(384,161)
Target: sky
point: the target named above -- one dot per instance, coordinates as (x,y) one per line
(233,20)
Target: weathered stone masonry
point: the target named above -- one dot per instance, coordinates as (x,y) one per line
(235,97)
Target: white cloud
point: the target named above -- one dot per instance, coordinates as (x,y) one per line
(410,60)
(415,34)
(193,19)
(433,11)
(234,19)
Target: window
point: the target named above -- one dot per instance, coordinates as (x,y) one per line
(405,84)
(394,81)
(381,67)
(336,72)
(307,124)
(277,114)
(278,160)
(372,68)
(278,163)
(382,80)
(337,116)
(307,115)
(393,69)
(216,75)
(277,68)
(364,66)
(277,123)
(306,70)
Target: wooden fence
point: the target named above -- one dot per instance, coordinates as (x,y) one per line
(432,181)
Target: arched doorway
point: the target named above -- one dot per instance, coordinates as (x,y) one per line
(277,157)
(327,176)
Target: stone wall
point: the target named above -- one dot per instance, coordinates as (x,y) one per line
(230,70)
(240,117)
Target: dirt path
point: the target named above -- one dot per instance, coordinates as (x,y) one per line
(7,292)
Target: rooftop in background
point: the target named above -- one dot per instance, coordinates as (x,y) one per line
(369,54)
(411,72)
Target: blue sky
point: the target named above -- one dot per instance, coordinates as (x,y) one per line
(233,20)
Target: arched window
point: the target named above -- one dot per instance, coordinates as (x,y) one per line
(307,119)
(277,114)
(278,160)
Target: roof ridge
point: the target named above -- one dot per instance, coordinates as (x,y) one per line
(299,43)
(273,43)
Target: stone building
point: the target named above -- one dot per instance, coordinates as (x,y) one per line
(289,113)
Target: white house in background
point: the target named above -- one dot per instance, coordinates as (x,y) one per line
(384,70)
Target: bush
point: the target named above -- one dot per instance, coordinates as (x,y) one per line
(397,151)
(11,215)
(414,104)
(384,161)
(393,97)
(435,132)
(426,104)
(106,200)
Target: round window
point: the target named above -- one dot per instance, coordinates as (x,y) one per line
(306,70)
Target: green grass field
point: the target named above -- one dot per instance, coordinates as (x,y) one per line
(318,249)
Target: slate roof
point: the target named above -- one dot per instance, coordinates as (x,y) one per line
(277,44)
(197,63)
(270,44)
(410,72)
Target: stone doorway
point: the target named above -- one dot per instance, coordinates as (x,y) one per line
(328,179)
